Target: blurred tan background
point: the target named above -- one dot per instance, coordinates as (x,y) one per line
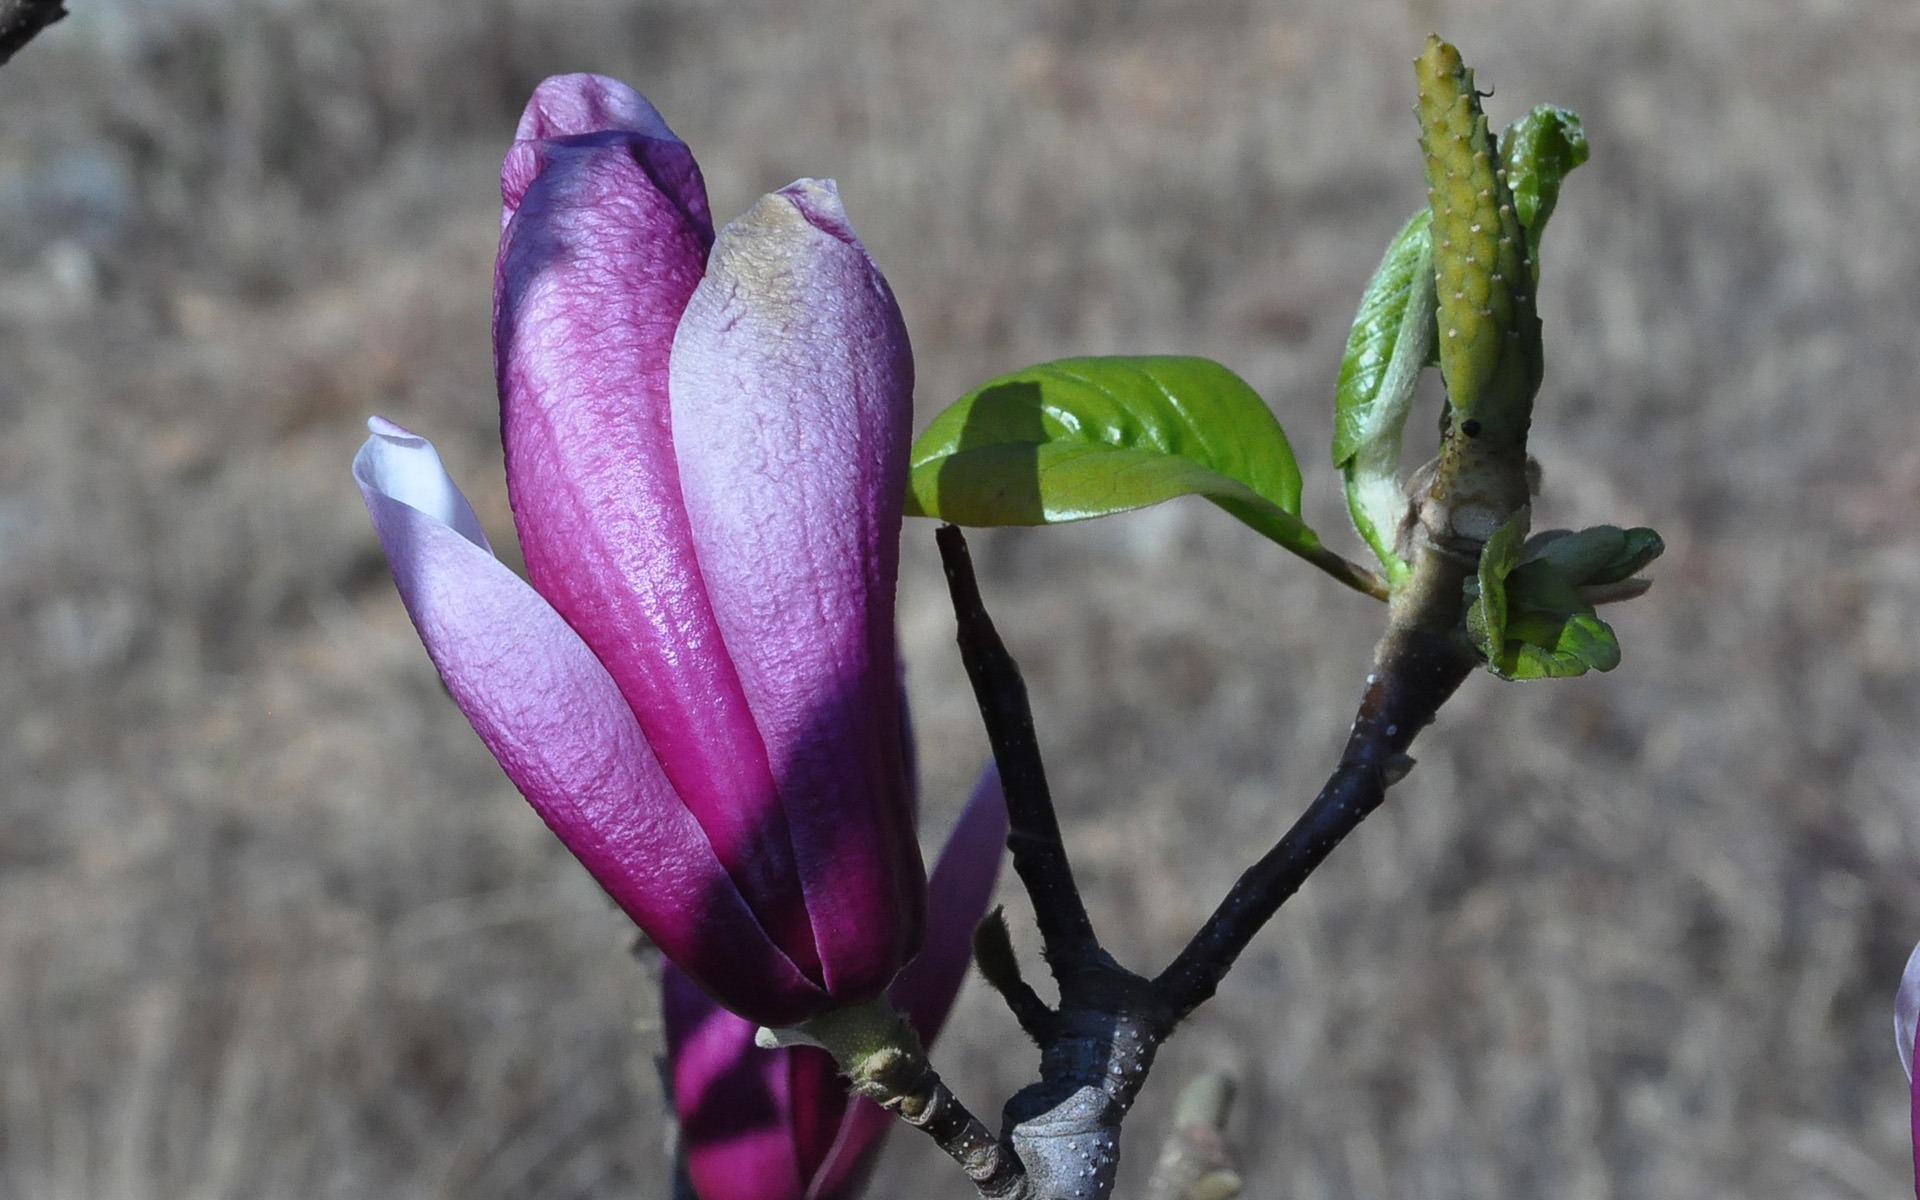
(272,924)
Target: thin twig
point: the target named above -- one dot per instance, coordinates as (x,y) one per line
(1000,967)
(912,1090)
(1364,580)
(1419,664)
(1039,854)
(21,20)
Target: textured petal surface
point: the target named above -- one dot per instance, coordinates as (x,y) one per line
(791,390)
(569,105)
(580,106)
(957,897)
(551,715)
(601,252)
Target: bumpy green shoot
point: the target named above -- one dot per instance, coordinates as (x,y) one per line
(1489,332)
(1091,437)
(1394,334)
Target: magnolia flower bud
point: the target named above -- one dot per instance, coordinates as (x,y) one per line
(706,443)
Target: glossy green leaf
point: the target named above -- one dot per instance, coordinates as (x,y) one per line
(1089,437)
(1539,149)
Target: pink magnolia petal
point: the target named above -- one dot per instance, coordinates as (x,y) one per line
(595,268)
(732,1098)
(778,1124)
(1906,1028)
(817,1126)
(792,391)
(958,895)
(568,105)
(1906,1011)
(579,106)
(552,716)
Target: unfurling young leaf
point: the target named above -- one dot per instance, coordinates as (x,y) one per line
(1389,346)
(1089,437)
(1531,609)
(1539,149)
(1487,610)
(1601,555)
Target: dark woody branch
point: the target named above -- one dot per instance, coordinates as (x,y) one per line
(1060,1135)
(1099,1043)
(912,1090)
(22,20)
(993,953)
(1418,665)
(1039,854)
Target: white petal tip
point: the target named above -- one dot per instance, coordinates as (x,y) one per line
(403,466)
(781,1039)
(380,427)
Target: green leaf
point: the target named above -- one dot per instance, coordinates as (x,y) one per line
(1487,612)
(1598,555)
(1391,341)
(1642,546)
(1089,437)
(1539,150)
(1525,613)
(1374,382)
(1577,555)
(1557,646)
